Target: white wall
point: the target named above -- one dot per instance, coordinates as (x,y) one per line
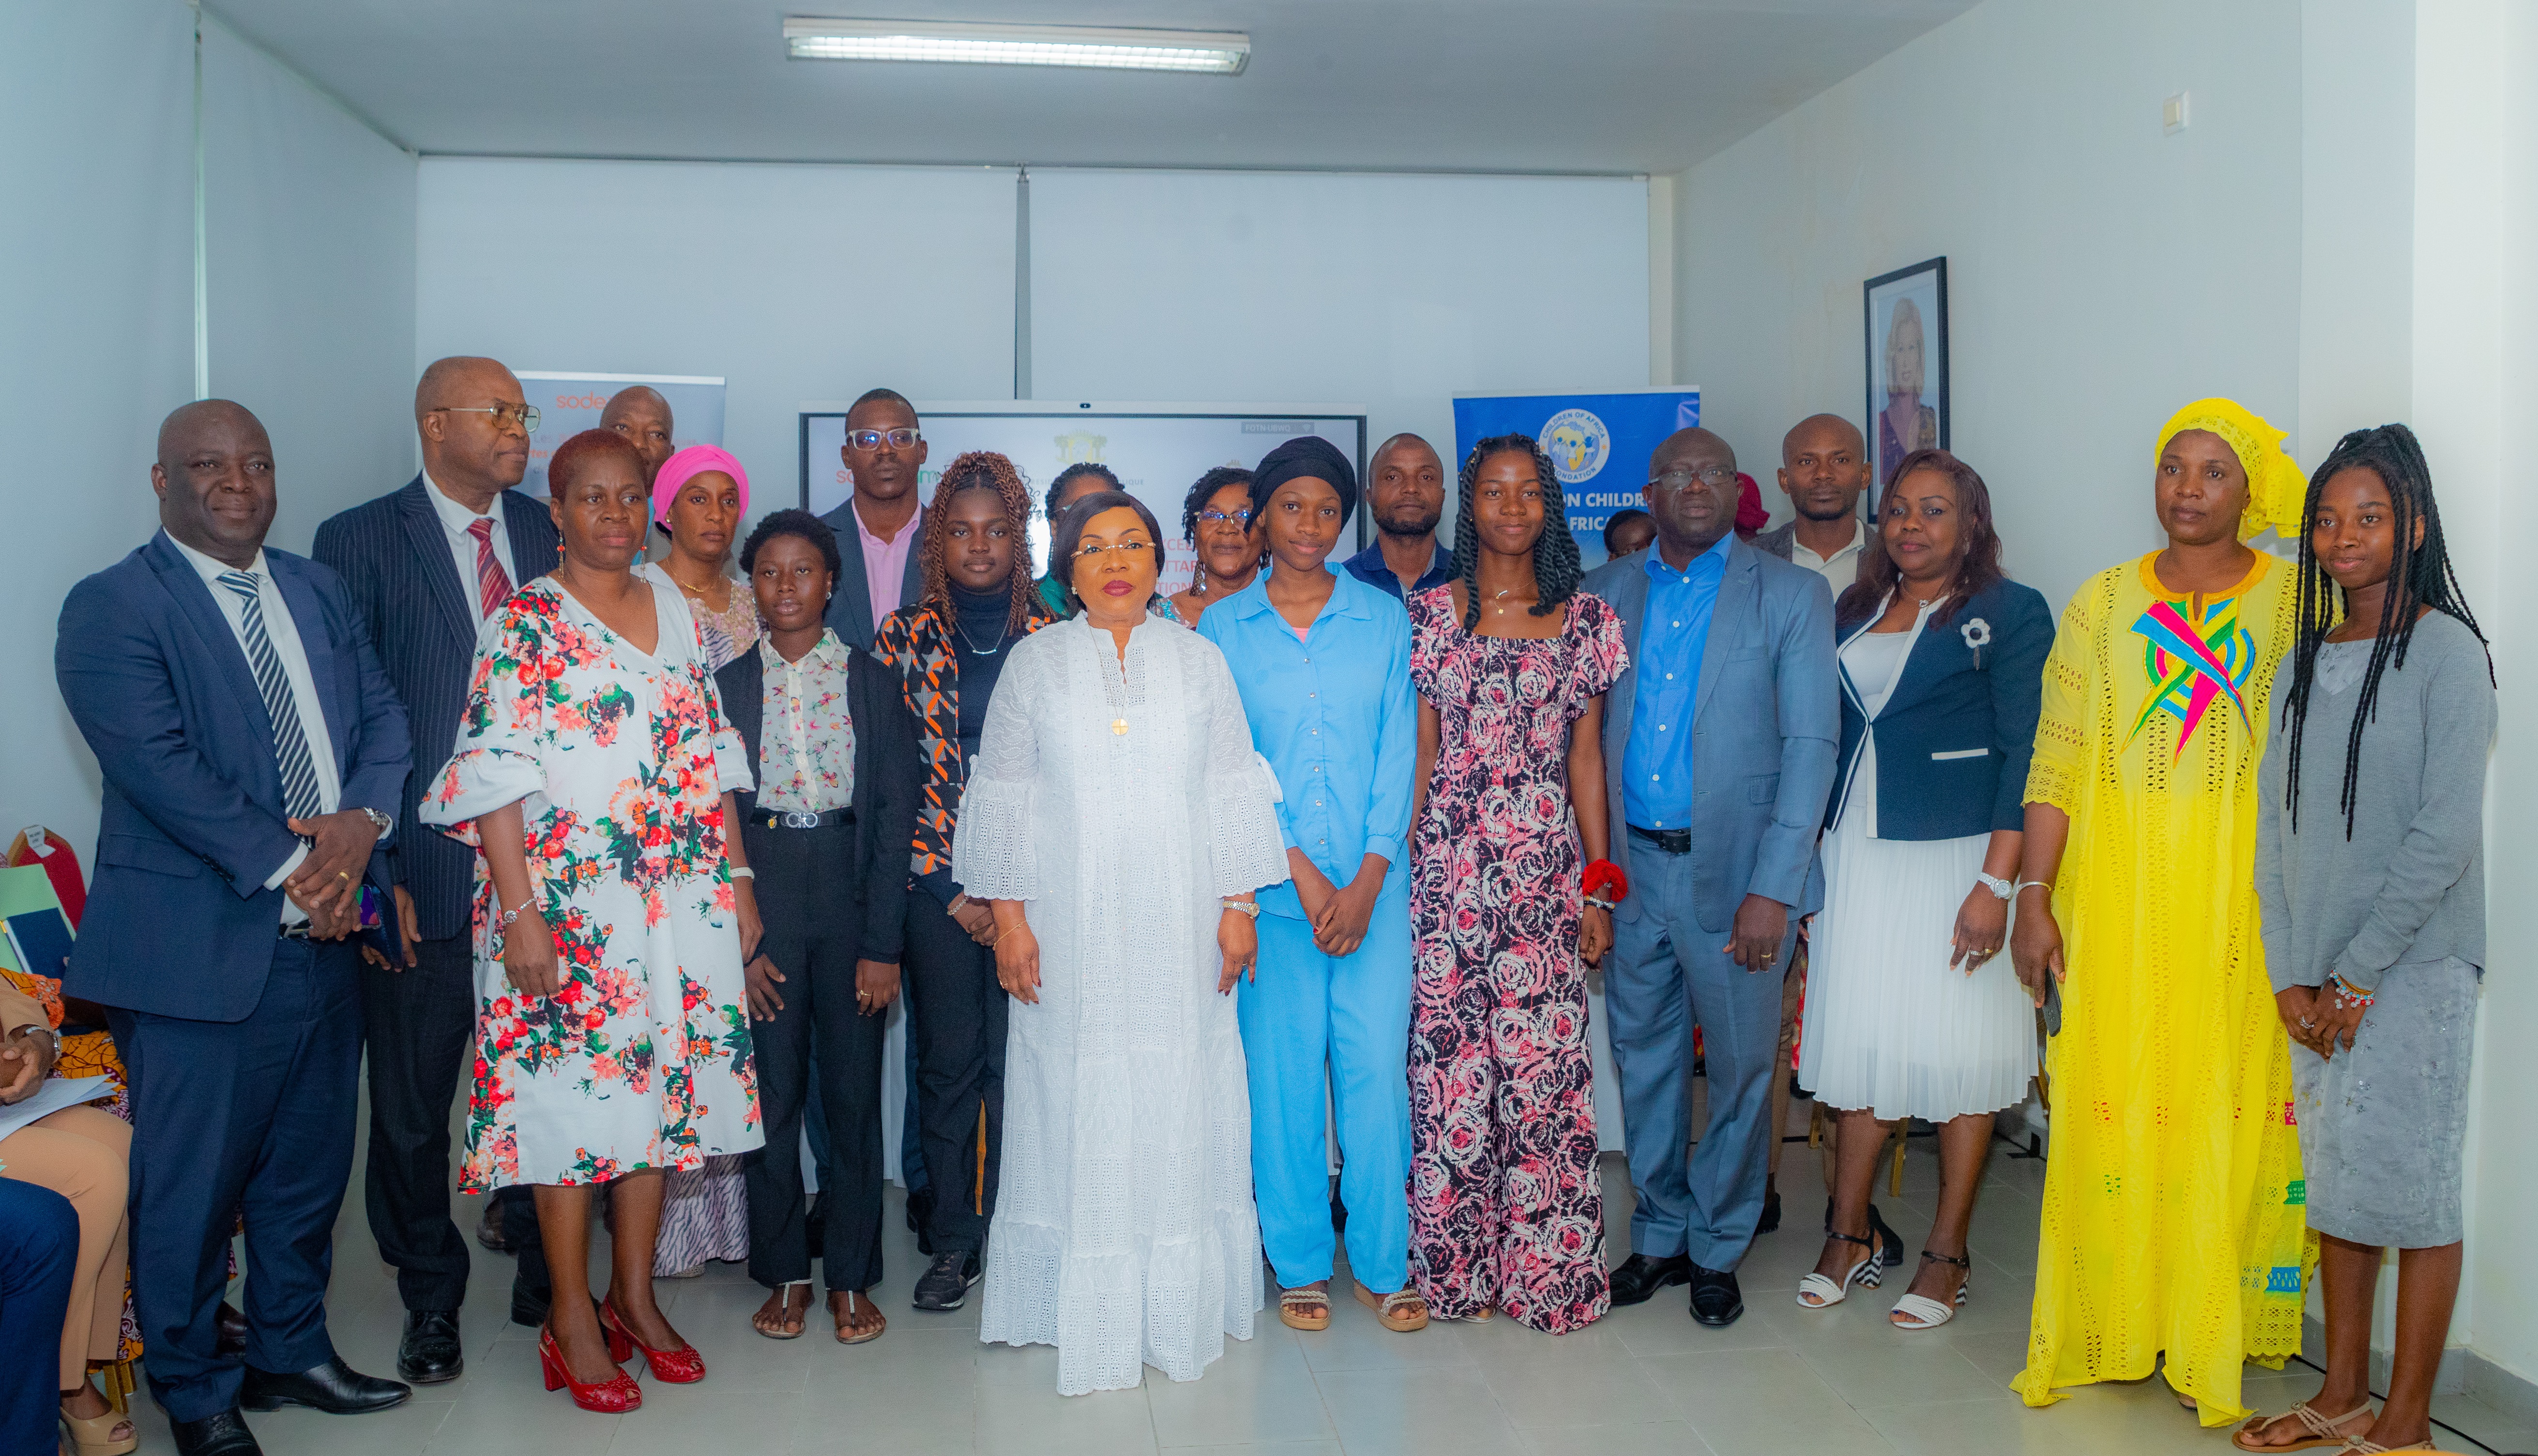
(793,283)
(2100,273)
(310,305)
(96,244)
(1392,292)
(310,218)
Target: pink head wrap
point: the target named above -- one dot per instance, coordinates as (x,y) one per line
(686,466)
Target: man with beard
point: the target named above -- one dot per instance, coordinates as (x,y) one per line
(640,413)
(1823,466)
(1405,495)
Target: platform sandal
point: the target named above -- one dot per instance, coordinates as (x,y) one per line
(1920,1311)
(1815,1292)
(1306,1308)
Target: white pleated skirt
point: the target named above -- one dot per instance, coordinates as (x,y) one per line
(1889,1026)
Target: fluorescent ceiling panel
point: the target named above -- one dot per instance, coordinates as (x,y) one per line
(1207,52)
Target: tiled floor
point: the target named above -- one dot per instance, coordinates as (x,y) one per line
(1645,1381)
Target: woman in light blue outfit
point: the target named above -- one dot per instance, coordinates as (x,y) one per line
(1322,661)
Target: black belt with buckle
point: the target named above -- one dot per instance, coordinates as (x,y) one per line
(298,932)
(1672,841)
(795,818)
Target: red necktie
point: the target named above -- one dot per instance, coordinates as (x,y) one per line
(491,584)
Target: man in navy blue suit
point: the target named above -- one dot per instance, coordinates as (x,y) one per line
(426,564)
(252,751)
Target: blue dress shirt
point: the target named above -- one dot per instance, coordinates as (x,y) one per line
(1370,568)
(1335,715)
(1656,766)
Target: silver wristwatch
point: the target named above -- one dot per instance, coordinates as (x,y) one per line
(1999,888)
(380,822)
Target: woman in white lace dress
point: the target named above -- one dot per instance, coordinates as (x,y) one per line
(1118,822)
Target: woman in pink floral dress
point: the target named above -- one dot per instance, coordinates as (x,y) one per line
(594,768)
(1510,662)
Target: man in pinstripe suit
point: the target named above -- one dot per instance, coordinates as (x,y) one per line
(426,564)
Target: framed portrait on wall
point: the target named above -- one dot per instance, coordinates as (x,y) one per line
(1906,314)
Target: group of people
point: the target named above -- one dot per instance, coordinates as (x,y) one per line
(1180,889)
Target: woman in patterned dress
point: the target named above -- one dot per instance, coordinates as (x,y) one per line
(1510,661)
(698,500)
(595,771)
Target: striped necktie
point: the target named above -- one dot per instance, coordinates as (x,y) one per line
(290,740)
(492,586)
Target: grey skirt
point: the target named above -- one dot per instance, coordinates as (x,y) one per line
(2382,1124)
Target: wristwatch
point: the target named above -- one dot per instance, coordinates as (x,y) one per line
(40,1029)
(1250,908)
(2000,889)
(379,822)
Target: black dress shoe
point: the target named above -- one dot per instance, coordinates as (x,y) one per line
(815,1224)
(232,1330)
(220,1435)
(529,1304)
(1771,1219)
(334,1387)
(429,1352)
(946,1283)
(489,1230)
(1641,1277)
(1716,1299)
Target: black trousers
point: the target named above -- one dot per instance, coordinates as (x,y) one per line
(806,898)
(958,1017)
(420,1022)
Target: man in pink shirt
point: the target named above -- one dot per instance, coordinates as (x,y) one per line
(884,452)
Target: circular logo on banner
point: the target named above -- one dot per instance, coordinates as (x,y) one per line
(1578,443)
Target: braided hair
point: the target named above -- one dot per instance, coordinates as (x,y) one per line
(2420,576)
(1069,475)
(980,470)
(1556,568)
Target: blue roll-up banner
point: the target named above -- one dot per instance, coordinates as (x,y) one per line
(569,404)
(1599,444)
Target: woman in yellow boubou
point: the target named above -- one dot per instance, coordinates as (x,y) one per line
(2172,1221)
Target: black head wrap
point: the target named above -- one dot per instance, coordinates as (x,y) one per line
(1306,455)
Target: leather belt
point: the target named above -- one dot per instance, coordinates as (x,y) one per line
(1672,841)
(298,932)
(795,818)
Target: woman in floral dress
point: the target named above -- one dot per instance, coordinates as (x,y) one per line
(1510,661)
(594,768)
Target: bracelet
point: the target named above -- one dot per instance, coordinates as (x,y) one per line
(2347,996)
(1250,908)
(1601,874)
(505,923)
(957,902)
(1599,902)
(2001,890)
(2025,885)
(743,871)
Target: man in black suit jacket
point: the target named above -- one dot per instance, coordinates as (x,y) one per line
(426,563)
(883,520)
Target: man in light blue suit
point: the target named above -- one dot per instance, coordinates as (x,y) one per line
(1718,754)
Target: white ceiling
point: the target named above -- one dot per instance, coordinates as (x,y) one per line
(1591,85)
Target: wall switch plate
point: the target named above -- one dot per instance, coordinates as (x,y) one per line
(2173,114)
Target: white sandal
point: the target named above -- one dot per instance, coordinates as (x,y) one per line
(1815,1292)
(1920,1311)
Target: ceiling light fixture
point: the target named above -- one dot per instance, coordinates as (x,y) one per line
(1207,52)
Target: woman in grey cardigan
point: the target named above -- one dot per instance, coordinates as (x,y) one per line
(2372,878)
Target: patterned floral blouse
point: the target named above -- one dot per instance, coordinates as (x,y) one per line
(806,755)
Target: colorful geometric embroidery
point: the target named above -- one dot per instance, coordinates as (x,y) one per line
(2297,1193)
(2283,1279)
(2192,657)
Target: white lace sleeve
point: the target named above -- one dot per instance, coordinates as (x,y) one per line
(1247,848)
(993,855)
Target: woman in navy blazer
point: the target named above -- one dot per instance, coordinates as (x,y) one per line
(1910,1010)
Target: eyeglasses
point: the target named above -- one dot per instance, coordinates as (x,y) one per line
(524,416)
(1684,474)
(1217,517)
(1089,556)
(873,440)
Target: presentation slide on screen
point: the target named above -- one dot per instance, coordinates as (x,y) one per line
(569,404)
(1599,444)
(1158,450)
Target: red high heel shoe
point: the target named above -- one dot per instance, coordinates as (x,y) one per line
(614,1396)
(682,1366)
